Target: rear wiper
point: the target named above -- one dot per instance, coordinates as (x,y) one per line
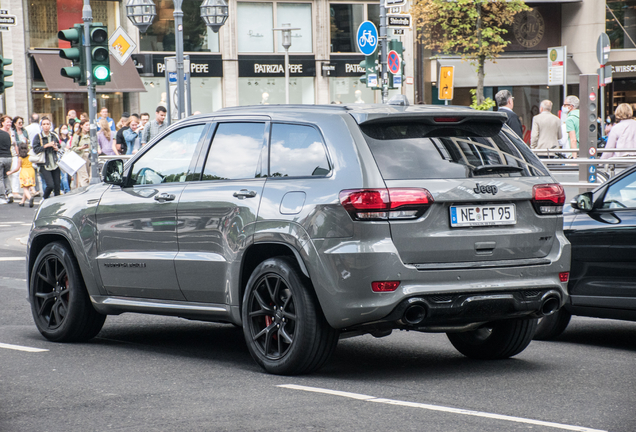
(485,169)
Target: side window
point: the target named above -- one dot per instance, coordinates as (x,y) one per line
(169,159)
(236,152)
(297,151)
(621,194)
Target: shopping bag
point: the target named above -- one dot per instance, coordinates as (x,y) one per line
(71,162)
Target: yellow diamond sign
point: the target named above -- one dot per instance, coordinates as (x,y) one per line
(121,46)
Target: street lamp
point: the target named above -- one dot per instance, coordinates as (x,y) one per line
(286,33)
(141,13)
(214,13)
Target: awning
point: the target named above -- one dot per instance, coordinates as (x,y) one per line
(508,71)
(123,78)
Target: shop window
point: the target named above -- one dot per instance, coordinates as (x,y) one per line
(349,90)
(299,16)
(206,93)
(297,151)
(345,20)
(265,91)
(196,35)
(47,17)
(236,152)
(255,22)
(623,12)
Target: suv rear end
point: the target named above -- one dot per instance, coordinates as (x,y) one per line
(463,235)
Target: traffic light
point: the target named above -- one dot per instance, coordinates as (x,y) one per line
(5,73)
(370,66)
(99,53)
(75,53)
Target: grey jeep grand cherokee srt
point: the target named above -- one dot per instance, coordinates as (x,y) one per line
(306,223)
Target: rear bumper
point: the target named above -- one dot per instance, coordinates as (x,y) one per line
(455,297)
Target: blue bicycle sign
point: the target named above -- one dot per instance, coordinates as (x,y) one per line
(367,38)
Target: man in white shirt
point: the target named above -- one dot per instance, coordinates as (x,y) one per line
(546,128)
(34,126)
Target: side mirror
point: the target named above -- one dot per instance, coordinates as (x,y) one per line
(113,172)
(582,202)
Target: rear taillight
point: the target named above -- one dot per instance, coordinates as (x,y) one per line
(548,198)
(383,204)
(564,276)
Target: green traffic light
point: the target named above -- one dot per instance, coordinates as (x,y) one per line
(101,73)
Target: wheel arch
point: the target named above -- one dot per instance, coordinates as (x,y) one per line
(64,235)
(259,252)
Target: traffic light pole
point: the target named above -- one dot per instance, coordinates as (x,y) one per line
(384,41)
(87,17)
(178,33)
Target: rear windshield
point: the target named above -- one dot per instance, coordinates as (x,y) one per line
(420,151)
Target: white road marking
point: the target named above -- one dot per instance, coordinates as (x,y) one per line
(12,258)
(21,348)
(15,223)
(4,226)
(367,398)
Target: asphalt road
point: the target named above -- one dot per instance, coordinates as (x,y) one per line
(146,373)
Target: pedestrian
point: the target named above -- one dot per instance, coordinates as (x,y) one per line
(154,127)
(145,118)
(47,142)
(65,145)
(505,102)
(34,126)
(6,124)
(546,128)
(83,116)
(123,120)
(27,174)
(104,139)
(132,136)
(71,118)
(571,108)
(82,146)
(6,159)
(623,134)
(120,141)
(103,113)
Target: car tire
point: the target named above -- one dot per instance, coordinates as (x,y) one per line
(497,340)
(284,327)
(60,304)
(551,326)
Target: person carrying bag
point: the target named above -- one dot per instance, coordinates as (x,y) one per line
(48,144)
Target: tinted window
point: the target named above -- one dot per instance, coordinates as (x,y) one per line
(297,151)
(419,151)
(169,159)
(621,194)
(236,152)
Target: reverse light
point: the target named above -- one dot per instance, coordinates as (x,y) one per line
(383,204)
(386,286)
(548,198)
(564,276)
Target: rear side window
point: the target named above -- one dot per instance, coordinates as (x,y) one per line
(297,151)
(418,151)
(236,152)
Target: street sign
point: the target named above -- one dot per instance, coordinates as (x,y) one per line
(7,20)
(603,49)
(604,75)
(367,38)
(391,3)
(372,80)
(398,31)
(393,62)
(395,9)
(121,46)
(401,20)
(445,83)
(556,59)
(397,80)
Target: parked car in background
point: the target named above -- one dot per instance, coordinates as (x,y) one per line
(306,223)
(601,226)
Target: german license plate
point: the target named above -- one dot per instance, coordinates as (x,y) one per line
(492,214)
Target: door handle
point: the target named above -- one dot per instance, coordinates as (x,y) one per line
(244,193)
(163,197)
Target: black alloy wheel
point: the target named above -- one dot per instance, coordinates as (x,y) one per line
(283,325)
(60,305)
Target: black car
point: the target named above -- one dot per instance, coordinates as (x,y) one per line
(601,225)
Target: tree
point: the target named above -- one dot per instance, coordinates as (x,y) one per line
(470,28)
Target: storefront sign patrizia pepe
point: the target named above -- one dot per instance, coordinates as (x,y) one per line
(274,66)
